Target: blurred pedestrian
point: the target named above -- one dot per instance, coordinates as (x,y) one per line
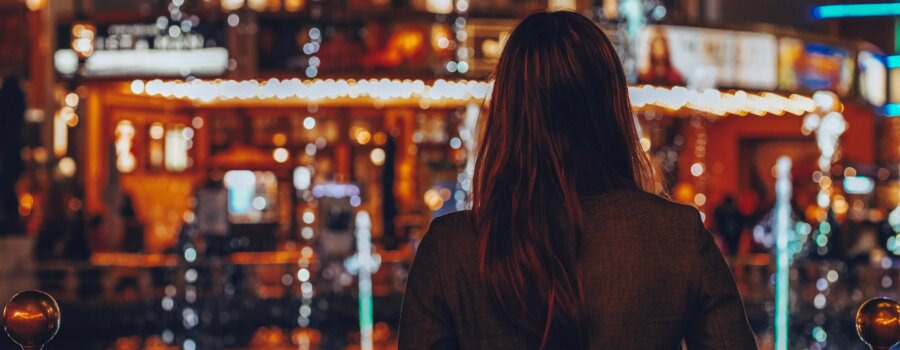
(729,223)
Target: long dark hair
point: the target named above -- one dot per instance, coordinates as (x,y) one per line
(559,125)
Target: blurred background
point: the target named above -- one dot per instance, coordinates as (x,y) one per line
(256,174)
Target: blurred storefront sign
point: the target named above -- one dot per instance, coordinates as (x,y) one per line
(810,66)
(145,49)
(205,62)
(705,58)
(676,55)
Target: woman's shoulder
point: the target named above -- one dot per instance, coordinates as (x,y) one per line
(457,219)
(642,206)
(452,224)
(451,230)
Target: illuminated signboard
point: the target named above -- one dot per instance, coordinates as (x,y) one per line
(856,10)
(808,66)
(675,55)
(143,49)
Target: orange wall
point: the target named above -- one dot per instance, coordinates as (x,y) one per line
(725,135)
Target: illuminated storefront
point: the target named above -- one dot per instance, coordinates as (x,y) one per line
(255,136)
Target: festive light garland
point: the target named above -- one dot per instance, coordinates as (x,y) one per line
(720,103)
(709,101)
(313,90)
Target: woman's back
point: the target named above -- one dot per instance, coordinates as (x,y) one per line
(540,263)
(652,277)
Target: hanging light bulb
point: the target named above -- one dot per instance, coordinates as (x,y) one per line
(231,5)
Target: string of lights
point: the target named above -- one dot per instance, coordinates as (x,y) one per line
(709,101)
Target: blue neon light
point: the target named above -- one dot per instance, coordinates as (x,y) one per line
(856,10)
(892,110)
(892,61)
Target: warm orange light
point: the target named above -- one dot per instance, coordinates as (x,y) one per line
(35,5)
(439,6)
(71,99)
(684,192)
(66,113)
(840,205)
(66,166)
(257,5)
(231,5)
(280,155)
(408,42)
(60,135)
(294,5)
(83,39)
(26,202)
(380,138)
(363,137)
(433,200)
(440,37)
(377,156)
(279,139)
(157,131)
(73,121)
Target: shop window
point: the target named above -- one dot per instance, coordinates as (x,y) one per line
(156,148)
(179,139)
(125,159)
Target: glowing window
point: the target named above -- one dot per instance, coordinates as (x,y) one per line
(178,141)
(125,160)
(156,147)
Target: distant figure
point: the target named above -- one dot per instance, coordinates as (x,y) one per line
(96,233)
(75,242)
(389,237)
(568,244)
(729,223)
(134,228)
(12,113)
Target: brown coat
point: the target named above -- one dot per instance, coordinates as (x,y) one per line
(653,277)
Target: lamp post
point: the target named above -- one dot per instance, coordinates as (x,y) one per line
(782,252)
(364,264)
